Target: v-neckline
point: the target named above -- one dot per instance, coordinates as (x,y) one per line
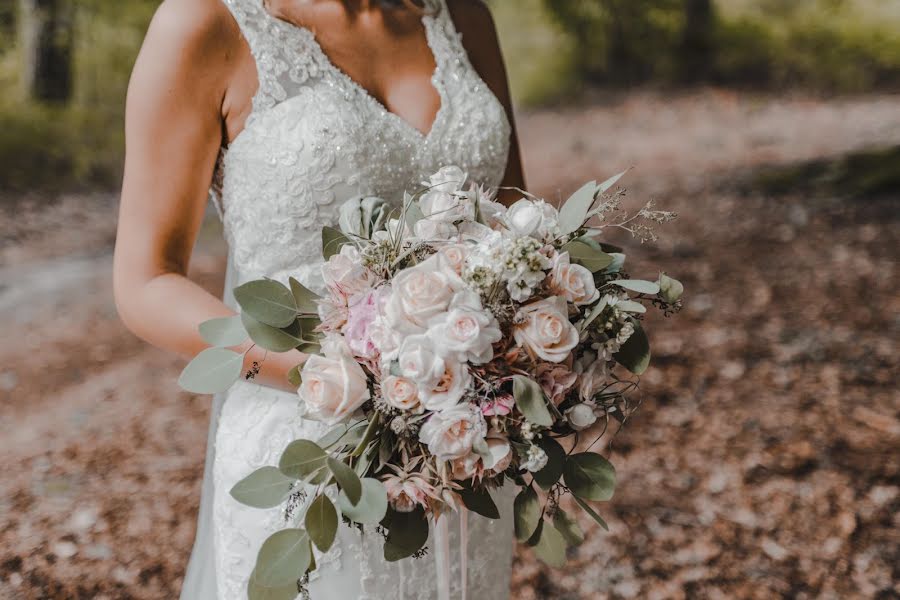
(360,89)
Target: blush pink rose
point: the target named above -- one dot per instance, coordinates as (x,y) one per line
(545,331)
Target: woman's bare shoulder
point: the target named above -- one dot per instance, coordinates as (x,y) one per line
(473,19)
(194,28)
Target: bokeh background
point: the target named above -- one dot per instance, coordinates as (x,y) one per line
(764,460)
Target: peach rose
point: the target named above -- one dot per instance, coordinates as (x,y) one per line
(401,393)
(420,293)
(574,282)
(334,386)
(545,331)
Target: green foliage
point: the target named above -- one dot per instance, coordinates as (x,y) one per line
(283,559)
(526,513)
(264,488)
(590,476)
(530,400)
(372,505)
(634,354)
(407,533)
(212,371)
(556,459)
(321,522)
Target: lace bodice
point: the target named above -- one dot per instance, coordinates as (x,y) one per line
(315,139)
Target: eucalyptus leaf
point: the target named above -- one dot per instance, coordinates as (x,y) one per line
(607,185)
(264,488)
(556,459)
(590,476)
(407,534)
(372,505)
(223,332)
(257,591)
(272,338)
(617,263)
(321,522)
(587,508)
(294,376)
(526,513)
(332,436)
(634,354)
(480,501)
(551,548)
(332,242)
(212,371)
(595,312)
(283,558)
(574,212)
(670,289)
(568,527)
(536,536)
(530,400)
(304,297)
(631,306)
(302,458)
(588,254)
(347,479)
(638,285)
(267,301)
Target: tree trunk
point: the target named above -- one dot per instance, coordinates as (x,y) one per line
(697,45)
(47,41)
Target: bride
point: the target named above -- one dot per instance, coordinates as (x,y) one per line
(286,109)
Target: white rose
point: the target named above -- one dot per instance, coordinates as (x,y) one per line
(419,361)
(401,393)
(449,434)
(574,282)
(448,389)
(534,218)
(419,293)
(434,230)
(455,255)
(544,329)
(334,386)
(466,334)
(581,416)
(449,179)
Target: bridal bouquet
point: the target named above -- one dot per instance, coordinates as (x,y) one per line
(459,345)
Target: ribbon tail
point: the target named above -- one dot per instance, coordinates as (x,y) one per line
(464,550)
(442,556)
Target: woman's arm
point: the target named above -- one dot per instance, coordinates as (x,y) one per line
(174,127)
(479,35)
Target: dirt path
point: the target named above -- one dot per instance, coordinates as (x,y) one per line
(761,465)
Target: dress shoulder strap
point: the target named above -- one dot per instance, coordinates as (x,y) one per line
(282,52)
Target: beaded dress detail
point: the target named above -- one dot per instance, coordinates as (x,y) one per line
(316,138)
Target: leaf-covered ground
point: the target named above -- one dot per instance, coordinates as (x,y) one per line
(763,462)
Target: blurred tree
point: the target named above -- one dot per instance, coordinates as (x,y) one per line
(7,25)
(697,41)
(621,41)
(47,37)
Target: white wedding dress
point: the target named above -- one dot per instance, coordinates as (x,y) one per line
(316,138)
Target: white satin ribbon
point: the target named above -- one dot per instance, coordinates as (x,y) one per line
(442,554)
